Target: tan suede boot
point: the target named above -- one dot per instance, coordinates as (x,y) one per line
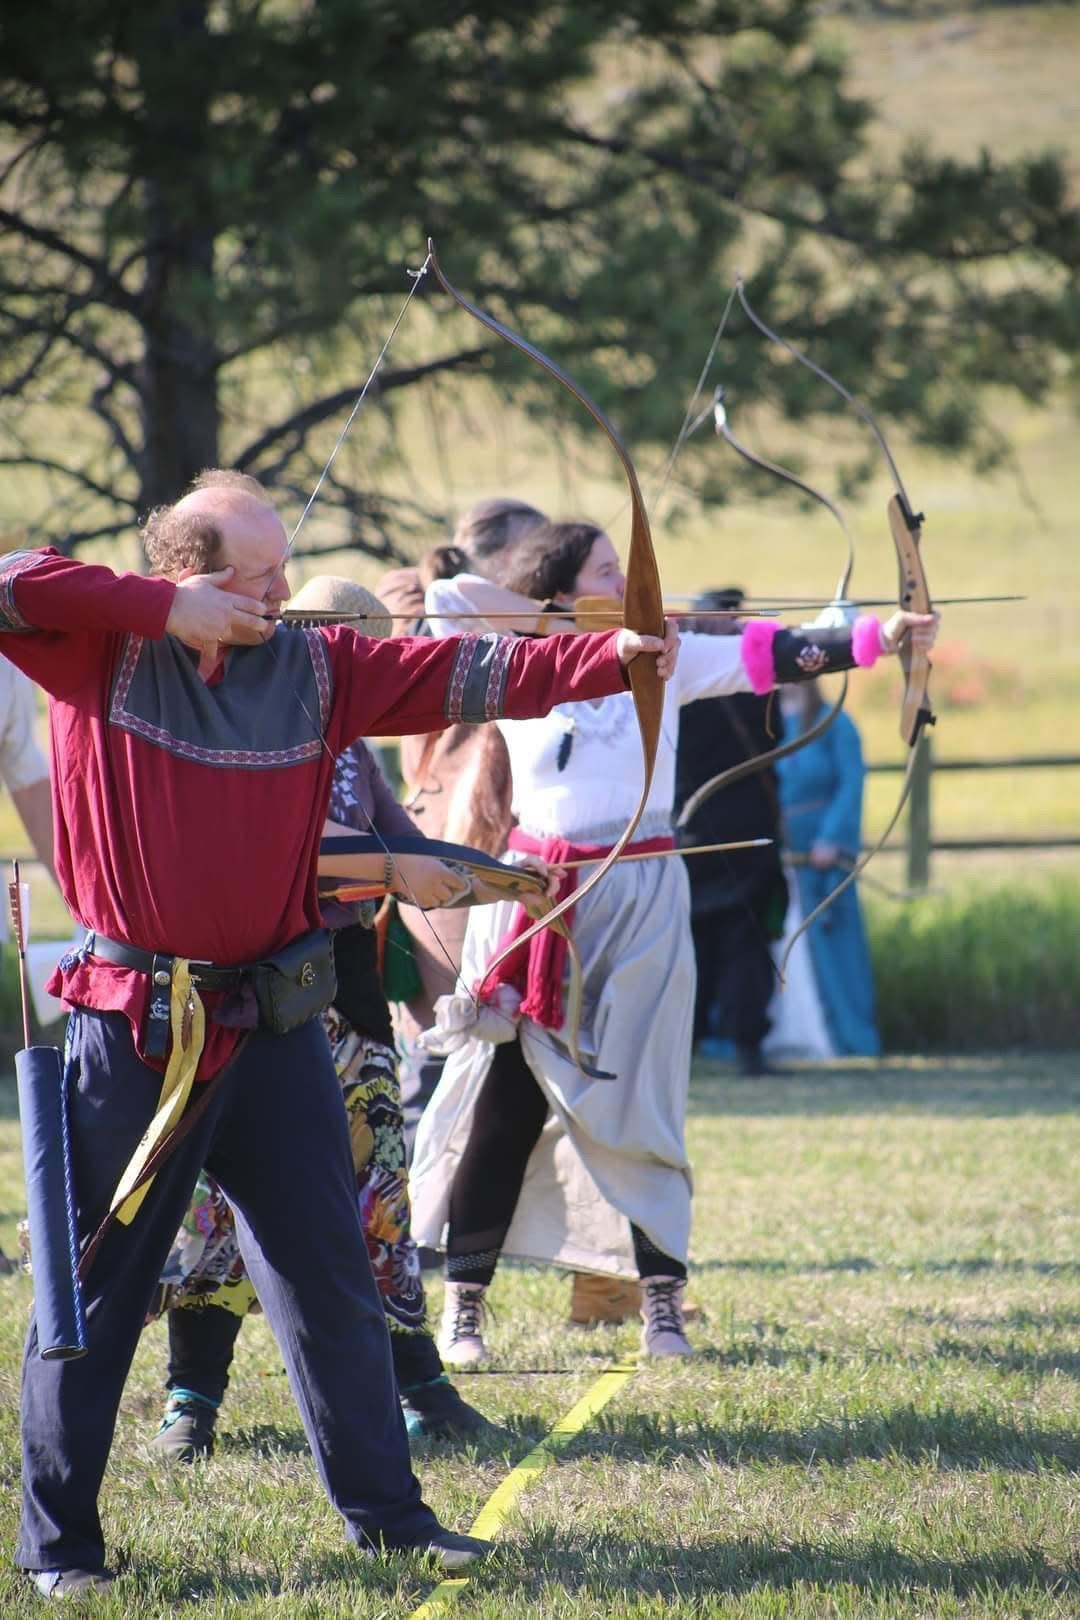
(595,1299)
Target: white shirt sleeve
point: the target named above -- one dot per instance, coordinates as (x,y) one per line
(474,596)
(709,666)
(450,596)
(21,761)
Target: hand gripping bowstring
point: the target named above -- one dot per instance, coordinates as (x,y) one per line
(905,527)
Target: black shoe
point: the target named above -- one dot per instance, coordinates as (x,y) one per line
(435,1411)
(751,1063)
(455,1552)
(65,1583)
(187,1427)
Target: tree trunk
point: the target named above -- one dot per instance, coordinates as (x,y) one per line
(178,387)
(178,375)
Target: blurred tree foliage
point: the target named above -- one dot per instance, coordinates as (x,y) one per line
(207,211)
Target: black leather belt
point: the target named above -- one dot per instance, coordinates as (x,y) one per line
(159,967)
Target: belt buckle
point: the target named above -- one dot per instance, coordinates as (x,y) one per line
(193,969)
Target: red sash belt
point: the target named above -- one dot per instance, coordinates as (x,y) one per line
(537,970)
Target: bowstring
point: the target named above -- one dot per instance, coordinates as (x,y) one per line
(417,276)
(867,416)
(717,410)
(690,423)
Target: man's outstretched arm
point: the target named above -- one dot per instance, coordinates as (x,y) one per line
(395,687)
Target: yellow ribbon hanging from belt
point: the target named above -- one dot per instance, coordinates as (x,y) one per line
(187,1019)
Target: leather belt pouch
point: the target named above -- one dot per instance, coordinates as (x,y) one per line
(296,983)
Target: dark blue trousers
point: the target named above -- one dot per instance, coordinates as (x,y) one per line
(275,1136)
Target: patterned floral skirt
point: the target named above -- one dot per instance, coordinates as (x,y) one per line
(205,1266)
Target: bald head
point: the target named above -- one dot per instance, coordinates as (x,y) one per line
(221,526)
(235,513)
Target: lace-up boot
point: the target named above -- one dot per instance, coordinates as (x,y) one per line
(664,1333)
(461,1339)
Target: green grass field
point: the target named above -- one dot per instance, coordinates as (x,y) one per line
(883,1418)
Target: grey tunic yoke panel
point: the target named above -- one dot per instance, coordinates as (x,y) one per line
(270,709)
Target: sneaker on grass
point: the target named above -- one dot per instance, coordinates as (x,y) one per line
(58,1584)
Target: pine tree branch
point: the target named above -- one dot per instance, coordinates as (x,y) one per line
(300,423)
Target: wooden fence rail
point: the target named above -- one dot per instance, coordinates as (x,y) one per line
(920,840)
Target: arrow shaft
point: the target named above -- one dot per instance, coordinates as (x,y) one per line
(18,928)
(664,854)
(754,608)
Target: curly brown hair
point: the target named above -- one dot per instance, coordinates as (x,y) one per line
(175,540)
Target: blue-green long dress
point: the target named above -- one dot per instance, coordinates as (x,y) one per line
(821,791)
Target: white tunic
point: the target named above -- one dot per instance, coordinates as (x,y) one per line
(612,1152)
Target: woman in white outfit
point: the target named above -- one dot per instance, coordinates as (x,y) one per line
(519,1151)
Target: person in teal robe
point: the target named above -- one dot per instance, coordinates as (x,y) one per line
(821,793)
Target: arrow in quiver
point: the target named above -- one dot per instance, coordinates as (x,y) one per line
(50,1190)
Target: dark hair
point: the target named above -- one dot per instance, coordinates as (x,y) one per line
(442,562)
(728,599)
(548,563)
(488,527)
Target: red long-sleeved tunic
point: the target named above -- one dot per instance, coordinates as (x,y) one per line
(188,813)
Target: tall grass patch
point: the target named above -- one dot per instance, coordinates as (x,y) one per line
(980,969)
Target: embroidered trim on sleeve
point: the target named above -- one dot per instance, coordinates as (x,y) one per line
(320,665)
(11,566)
(496,686)
(477,682)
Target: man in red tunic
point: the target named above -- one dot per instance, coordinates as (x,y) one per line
(193,747)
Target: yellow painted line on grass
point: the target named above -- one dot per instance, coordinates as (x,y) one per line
(492,1516)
